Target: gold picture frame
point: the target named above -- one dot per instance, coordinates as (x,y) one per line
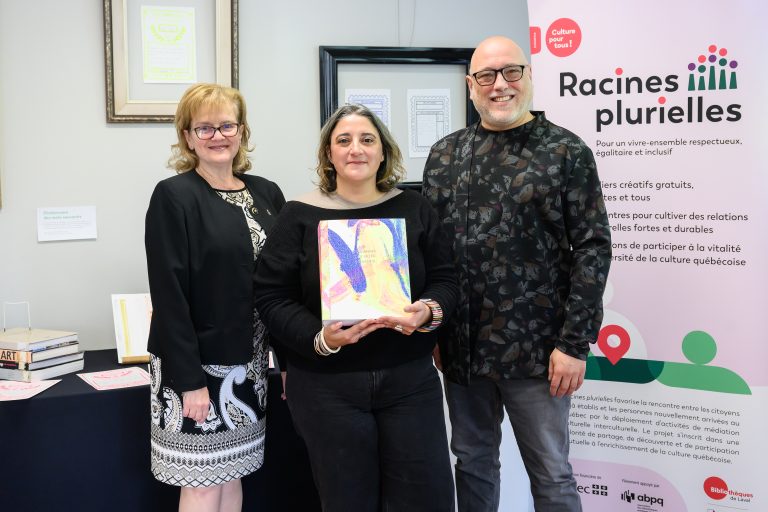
(157,104)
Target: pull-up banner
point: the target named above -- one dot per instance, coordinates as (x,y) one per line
(671,97)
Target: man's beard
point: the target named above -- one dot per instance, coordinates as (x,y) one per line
(523,101)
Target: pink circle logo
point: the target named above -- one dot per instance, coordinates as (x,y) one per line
(563,37)
(716,488)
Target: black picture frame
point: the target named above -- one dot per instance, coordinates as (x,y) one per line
(332,56)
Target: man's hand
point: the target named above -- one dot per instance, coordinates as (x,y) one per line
(566,373)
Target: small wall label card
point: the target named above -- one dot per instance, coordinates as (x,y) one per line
(66,223)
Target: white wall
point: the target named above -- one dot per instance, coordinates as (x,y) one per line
(56,148)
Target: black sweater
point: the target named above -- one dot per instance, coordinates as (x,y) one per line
(287,284)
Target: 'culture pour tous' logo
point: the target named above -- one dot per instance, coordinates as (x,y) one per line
(714,72)
(562,38)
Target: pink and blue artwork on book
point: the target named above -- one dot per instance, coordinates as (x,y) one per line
(363,269)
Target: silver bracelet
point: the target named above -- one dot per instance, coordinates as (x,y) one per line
(321,347)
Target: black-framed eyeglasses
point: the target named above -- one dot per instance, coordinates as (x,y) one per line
(509,73)
(226,129)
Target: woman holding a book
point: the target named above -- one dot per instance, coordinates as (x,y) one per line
(352,284)
(205,227)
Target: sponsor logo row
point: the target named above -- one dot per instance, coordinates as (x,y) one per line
(627,495)
(714,487)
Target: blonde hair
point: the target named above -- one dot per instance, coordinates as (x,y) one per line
(208,96)
(391,171)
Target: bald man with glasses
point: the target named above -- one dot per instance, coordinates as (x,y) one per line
(520,198)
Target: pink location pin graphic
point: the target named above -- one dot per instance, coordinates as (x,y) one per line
(613,354)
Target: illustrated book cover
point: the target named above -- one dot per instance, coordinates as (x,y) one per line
(363,269)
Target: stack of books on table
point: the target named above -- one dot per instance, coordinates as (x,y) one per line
(38,354)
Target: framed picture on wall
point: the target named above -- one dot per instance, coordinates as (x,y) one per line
(155,49)
(419,93)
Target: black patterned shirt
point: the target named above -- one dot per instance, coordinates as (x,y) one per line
(531,245)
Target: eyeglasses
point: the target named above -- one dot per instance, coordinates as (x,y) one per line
(226,129)
(510,73)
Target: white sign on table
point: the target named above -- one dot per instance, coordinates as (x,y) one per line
(132,313)
(116,379)
(15,390)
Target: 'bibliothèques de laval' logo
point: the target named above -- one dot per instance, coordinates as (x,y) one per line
(716,488)
(712,73)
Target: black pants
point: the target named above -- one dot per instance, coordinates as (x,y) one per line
(376,439)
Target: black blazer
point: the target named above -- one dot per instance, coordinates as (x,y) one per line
(200,266)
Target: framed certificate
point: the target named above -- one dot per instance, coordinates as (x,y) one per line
(155,49)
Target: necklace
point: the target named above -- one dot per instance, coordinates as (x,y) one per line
(218,183)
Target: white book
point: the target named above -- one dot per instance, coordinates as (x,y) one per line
(54,361)
(22,357)
(21,338)
(43,373)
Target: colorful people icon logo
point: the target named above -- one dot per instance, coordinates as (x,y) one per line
(715,71)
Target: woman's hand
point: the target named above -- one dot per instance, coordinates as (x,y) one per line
(196,404)
(419,314)
(336,337)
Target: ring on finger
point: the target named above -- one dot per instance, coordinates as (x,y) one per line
(399,328)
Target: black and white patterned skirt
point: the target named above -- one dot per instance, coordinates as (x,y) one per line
(229,444)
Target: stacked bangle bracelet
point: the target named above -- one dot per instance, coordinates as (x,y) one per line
(437,315)
(321,347)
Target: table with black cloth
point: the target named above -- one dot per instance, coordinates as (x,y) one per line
(72,448)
